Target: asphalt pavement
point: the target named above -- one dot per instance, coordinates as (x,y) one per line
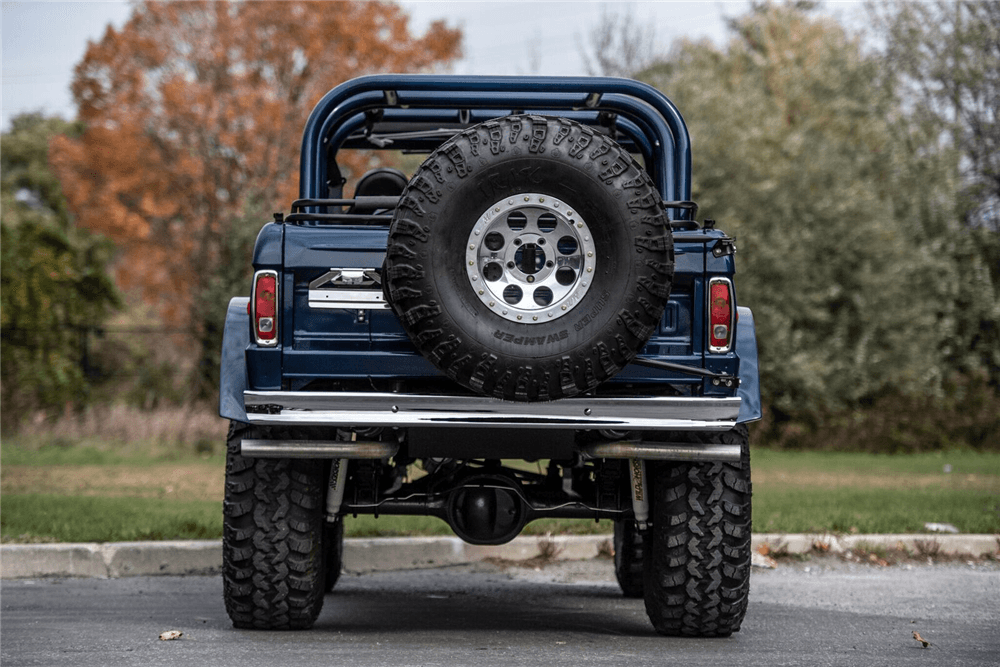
(818,612)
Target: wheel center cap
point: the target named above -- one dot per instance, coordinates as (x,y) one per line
(529,259)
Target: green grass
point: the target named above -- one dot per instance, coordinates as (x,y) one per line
(859,510)
(961,462)
(793,492)
(34,518)
(49,518)
(16,451)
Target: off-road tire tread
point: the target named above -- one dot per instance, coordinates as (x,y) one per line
(273,514)
(333,542)
(630,552)
(697,576)
(614,342)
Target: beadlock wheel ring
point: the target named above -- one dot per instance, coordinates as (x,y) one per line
(530,258)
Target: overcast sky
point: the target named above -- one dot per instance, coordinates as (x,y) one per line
(42,41)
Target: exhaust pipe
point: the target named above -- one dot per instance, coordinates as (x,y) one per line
(317,449)
(661,451)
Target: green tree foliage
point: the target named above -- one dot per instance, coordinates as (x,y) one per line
(944,59)
(53,277)
(849,250)
(230,278)
(195,109)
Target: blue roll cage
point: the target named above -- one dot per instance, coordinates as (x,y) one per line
(648,119)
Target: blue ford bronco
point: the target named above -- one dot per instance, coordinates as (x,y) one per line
(533,324)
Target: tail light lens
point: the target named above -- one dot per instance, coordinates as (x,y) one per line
(265,307)
(721,315)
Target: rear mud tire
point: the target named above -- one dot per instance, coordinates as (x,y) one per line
(272,545)
(697,575)
(630,548)
(333,543)
(589,216)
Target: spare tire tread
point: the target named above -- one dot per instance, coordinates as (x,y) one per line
(568,355)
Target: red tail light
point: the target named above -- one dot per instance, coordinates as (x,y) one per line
(721,315)
(265,307)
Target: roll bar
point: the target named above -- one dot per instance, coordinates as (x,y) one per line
(647,113)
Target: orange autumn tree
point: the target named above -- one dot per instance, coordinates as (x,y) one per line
(194,112)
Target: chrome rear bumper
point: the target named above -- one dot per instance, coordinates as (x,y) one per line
(359,409)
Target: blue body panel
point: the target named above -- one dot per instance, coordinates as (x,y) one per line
(233,371)
(338,344)
(746,349)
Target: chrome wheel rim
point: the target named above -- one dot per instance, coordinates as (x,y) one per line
(530,258)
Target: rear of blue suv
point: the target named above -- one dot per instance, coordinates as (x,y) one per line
(537,290)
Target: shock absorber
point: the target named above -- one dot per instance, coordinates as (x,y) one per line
(335,490)
(640,497)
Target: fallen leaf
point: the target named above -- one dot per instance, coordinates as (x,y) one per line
(760,560)
(916,635)
(941,528)
(170,634)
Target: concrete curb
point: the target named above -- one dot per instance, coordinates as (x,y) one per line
(130,559)
(919,543)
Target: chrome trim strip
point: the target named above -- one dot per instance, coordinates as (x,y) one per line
(360,299)
(317,449)
(357,289)
(403,410)
(661,451)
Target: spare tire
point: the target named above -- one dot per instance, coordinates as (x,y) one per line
(529,258)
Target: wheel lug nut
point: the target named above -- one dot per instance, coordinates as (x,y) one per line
(510,265)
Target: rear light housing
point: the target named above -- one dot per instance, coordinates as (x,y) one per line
(721,315)
(264,308)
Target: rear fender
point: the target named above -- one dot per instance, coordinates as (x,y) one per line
(746,349)
(233,371)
